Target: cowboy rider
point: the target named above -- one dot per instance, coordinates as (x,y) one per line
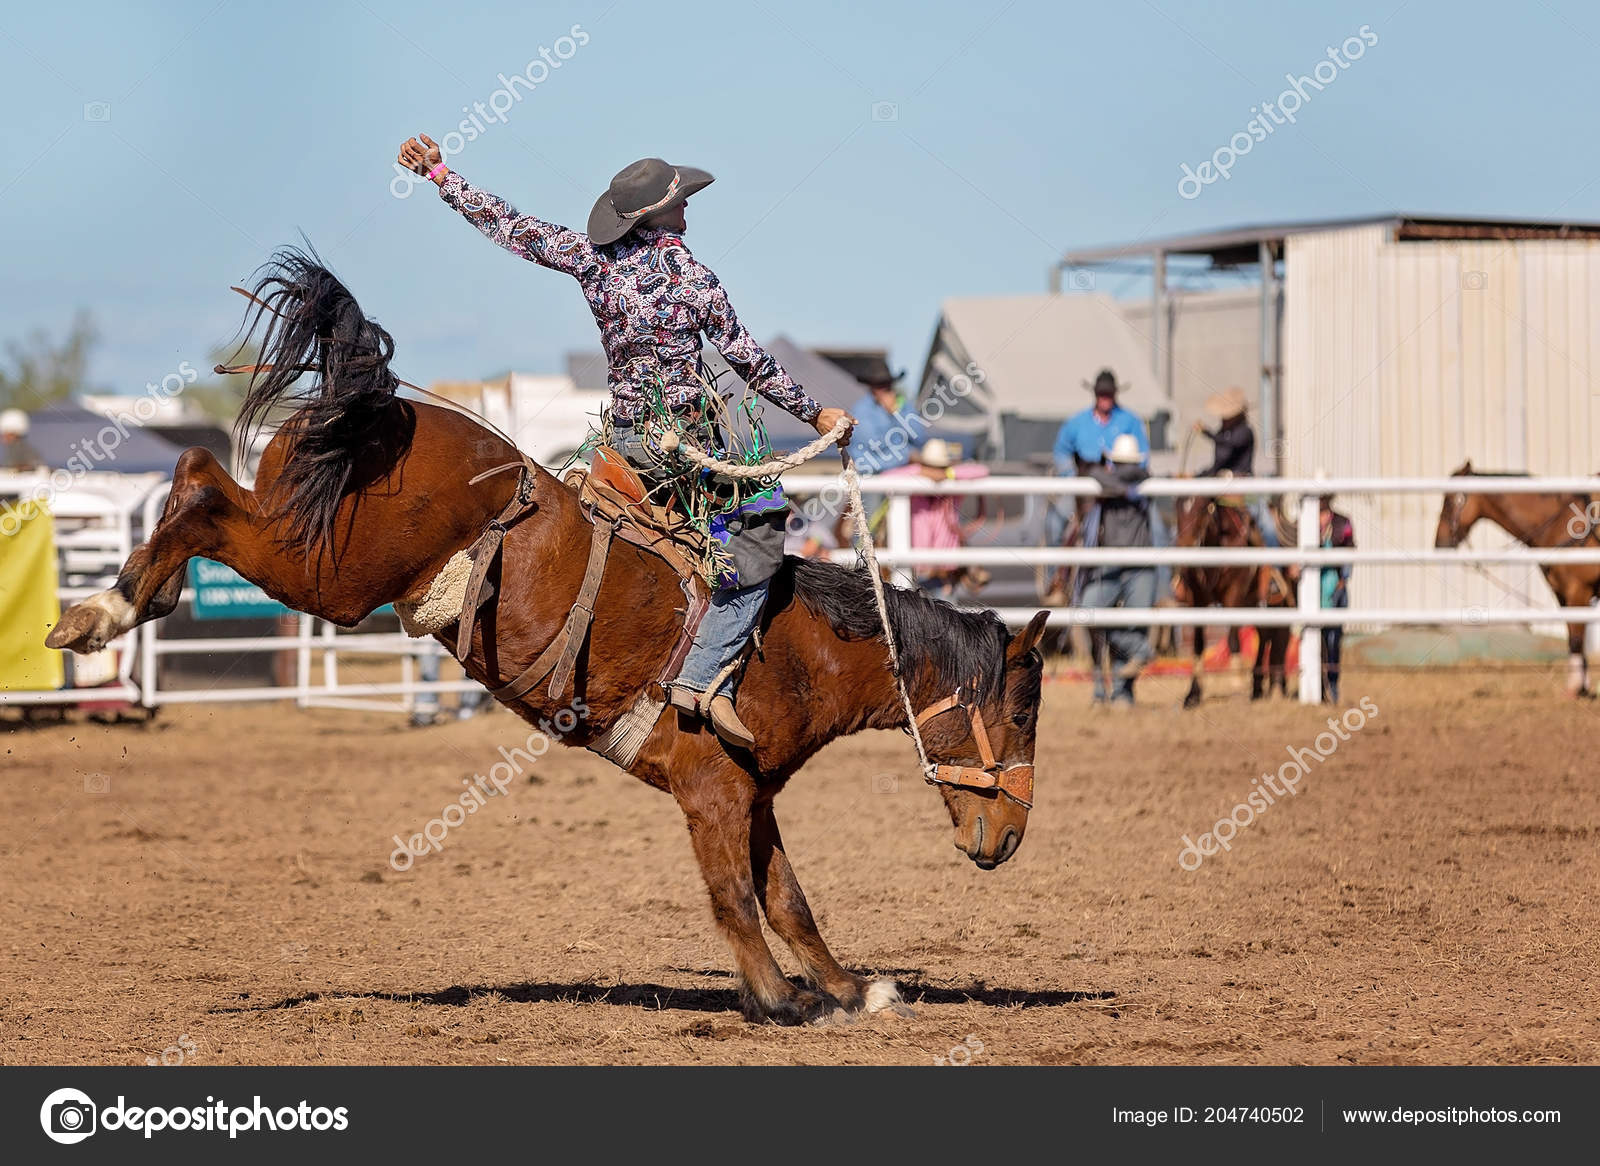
(652,300)
(1082,442)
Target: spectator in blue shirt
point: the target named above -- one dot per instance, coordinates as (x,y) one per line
(887,428)
(1086,438)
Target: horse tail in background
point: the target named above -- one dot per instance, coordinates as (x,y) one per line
(311,324)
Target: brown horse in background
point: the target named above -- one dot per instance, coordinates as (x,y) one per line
(361,499)
(1535,520)
(1210,522)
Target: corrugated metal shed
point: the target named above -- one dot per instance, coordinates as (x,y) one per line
(1405,358)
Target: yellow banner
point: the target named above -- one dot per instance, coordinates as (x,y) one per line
(28,603)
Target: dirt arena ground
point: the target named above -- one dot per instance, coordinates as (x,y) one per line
(217,888)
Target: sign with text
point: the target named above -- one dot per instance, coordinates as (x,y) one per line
(222,593)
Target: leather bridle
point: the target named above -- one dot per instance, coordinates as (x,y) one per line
(1014,781)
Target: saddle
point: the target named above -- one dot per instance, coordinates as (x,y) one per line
(617,502)
(613,491)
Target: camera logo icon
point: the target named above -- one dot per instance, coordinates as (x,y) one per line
(97,111)
(68,1116)
(885,111)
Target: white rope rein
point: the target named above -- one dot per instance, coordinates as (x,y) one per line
(863,536)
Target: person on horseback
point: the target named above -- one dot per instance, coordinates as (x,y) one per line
(1234,452)
(653,300)
(1082,442)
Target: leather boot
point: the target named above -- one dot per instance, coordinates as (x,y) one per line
(727,723)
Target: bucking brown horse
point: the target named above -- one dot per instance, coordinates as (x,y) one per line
(362,499)
(1535,520)
(1213,522)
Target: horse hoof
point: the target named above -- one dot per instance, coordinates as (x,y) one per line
(1191,699)
(884,996)
(84,628)
(802,1008)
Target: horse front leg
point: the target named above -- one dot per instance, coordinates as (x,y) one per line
(1196,666)
(1577,661)
(205,502)
(1258,670)
(718,802)
(789,915)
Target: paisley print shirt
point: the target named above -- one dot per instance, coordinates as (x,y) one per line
(651,298)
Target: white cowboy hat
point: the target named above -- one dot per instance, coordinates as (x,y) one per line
(935,452)
(13,423)
(1125,450)
(1228,403)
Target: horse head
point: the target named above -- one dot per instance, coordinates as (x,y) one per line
(982,741)
(1459,512)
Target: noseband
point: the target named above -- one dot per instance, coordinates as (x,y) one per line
(1015,781)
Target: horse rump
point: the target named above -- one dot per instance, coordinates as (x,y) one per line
(344,417)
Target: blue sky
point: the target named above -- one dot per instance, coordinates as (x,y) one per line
(1011,132)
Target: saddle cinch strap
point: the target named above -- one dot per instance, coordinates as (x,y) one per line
(619,507)
(1015,781)
(561,655)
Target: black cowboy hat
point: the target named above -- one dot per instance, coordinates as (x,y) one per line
(647,186)
(1106,382)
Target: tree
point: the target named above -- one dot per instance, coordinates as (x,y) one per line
(38,371)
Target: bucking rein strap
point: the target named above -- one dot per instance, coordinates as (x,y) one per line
(1015,781)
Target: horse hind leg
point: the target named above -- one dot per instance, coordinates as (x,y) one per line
(790,917)
(203,503)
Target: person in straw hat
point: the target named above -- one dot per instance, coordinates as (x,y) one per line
(1235,441)
(1235,453)
(653,301)
(15,451)
(1119,518)
(936,518)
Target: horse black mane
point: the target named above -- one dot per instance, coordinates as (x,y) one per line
(343,425)
(957,646)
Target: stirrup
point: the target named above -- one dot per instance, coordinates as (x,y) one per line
(684,698)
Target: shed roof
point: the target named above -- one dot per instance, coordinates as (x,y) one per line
(1036,352)
(1233,245)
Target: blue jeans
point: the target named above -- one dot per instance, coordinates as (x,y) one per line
(732,616)
(734,611)
(1262,509)
(427,703)
(1118,587)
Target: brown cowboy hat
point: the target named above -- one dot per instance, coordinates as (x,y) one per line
(641,189)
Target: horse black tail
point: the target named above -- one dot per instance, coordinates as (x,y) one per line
(311,324)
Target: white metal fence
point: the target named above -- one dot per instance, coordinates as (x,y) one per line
(898,551)
(101,535)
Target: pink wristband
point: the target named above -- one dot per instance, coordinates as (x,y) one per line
(433,175)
